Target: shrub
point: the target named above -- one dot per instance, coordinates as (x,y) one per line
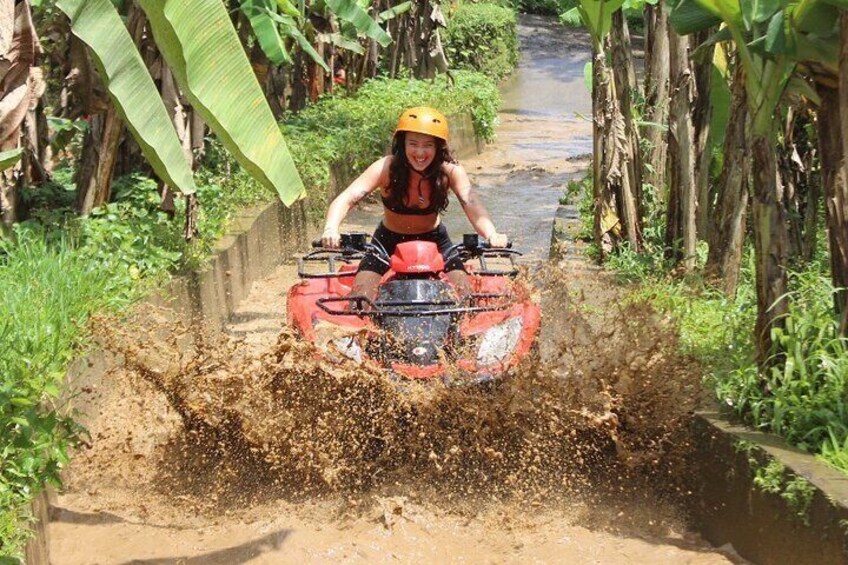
(483,38)
(546,7)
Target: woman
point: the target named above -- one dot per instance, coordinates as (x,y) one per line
(414,182)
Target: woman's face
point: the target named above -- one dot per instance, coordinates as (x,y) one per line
(420,150)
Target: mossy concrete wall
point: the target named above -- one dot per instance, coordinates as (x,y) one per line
(765,527)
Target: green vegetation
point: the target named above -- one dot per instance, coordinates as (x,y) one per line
(774,478)
(546,7)
(356,130)
(50,290)
(802,395)
(483,38)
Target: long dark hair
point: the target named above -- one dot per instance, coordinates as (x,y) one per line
(399,174)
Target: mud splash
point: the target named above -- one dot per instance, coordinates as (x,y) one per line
(601,413)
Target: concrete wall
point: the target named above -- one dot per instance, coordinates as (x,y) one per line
(764,527)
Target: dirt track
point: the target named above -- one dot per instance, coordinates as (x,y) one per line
(579,463)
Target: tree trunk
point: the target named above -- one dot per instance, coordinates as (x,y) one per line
(606,223)
(701,115)
(625,85)
(770,245)
(656,96)
(842,298)
(835,181)
(680,230)
(801,191)
(728,231)
(100,151)
(297,100)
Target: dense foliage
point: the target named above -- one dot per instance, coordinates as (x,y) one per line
(484,38)
(50,288)
(802,395)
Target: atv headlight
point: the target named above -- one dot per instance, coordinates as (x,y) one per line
(349,347)
(499,342)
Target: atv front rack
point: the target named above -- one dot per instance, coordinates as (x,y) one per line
(484,269)
(363,306)
(331,258)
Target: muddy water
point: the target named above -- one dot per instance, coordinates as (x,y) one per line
(245,448)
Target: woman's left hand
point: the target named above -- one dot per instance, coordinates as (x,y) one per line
(498,240)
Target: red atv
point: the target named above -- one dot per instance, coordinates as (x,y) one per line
(418,326)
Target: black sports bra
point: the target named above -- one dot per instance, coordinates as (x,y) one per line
(408,210)
(402,208)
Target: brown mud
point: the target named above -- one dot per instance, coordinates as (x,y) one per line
(246,447)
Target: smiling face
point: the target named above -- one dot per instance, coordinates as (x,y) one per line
(420,150)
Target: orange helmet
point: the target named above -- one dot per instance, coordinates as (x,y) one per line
(424,120)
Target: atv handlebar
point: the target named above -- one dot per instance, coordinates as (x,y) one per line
(354,246)
(353,241)
(358,241)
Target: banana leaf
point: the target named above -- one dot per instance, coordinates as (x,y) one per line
(10,157)
(290,26)
(690,16)
(597,15)
(200,45)
(98,24)
(350,11)
(394,11)
(340,40)
(265,30)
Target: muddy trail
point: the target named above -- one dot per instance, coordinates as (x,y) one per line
(243,446)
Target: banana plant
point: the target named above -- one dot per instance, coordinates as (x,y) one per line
(268,18)
(771,38)
(616,211)
(198,41)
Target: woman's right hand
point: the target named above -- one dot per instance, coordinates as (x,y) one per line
(331,239)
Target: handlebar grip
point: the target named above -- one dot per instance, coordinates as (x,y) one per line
(317,243)
(487,245)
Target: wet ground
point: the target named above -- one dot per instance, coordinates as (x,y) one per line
(245,448)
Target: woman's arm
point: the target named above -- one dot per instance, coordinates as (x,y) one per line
(473,206)
(374,177)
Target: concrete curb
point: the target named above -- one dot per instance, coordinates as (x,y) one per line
(727,506)
(764,527)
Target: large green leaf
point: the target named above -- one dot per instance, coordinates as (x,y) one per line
(290,26)
(597,15)
(340,40)
(690,16)
(815,16)
(98,25)
(350,11)
(759,11)
(202,48)
(776,35)
(10,157)
(258,12)
(394,11)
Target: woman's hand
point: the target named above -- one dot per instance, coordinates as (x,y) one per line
(330,238)
(498,240)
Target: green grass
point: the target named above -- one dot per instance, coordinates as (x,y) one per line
(50,288)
